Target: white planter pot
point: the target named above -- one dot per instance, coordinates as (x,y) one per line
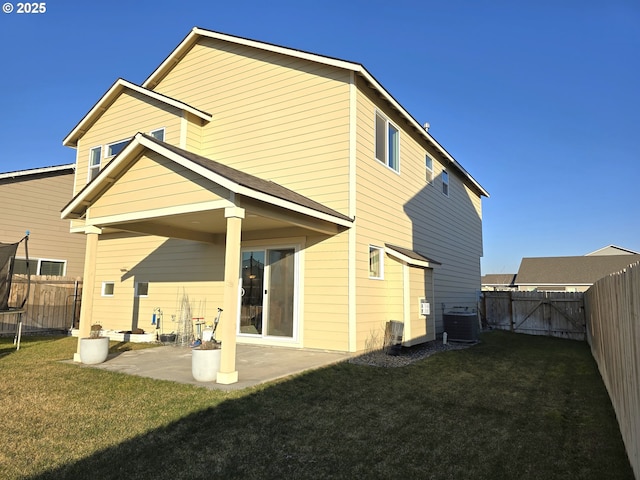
(205,364)
(94,350)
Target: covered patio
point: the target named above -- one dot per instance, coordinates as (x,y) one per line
(256,364)
(209,202)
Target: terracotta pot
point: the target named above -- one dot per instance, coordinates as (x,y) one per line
(94,350)
(205,364)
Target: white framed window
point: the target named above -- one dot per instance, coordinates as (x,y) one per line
(376,262)
(387,142)
(40,266)
(158,134)
(108,288)
(142,289)
(115,148)
(428,163)
(445,183)
(95,155)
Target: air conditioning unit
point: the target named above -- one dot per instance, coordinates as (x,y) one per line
(461,325)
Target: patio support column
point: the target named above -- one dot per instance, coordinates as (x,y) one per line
(88,286)
(232,266)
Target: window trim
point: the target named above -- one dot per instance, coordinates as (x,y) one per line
(92,167)
(380,251)
(109,145)
(162,129)
(103,290)
(388,125)
(137,291)
(428,159)
(38,265)
(445,183)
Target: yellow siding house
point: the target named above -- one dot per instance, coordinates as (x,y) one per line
(289,188)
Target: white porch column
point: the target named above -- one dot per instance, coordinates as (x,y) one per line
(232,267)
(88,286)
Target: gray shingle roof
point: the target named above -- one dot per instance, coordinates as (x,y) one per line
(570,270)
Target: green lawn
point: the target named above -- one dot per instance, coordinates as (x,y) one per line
(512,407)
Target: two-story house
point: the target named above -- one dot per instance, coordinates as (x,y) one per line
(287,187)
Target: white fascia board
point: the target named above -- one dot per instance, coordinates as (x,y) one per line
(71,140)
(239,189)
(105,177)
(36,171)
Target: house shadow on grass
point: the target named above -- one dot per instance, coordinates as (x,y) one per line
(480,413)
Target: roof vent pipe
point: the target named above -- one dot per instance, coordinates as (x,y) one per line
(426,126)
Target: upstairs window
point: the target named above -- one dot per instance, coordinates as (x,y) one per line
(445,183)
(116,148)
(387,143)
(428,163)
(95,155)
(158,134)
(376,267)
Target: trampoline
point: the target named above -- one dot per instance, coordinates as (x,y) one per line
(7,262)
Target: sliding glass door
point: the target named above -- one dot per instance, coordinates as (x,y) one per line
(268,292)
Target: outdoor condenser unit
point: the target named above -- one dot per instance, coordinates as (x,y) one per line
(461,325)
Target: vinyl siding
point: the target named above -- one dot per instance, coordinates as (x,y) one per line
(129,114)
(172,267)
(326,292)
(276,117)
(154,182)
(411,213)
(33,203)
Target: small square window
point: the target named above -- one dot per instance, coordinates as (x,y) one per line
(108,289)
(158,134)
(376,267)
(142,289)
(445,183)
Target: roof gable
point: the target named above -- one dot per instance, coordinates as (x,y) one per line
(613,250)
(197,33)
(226,177)
(119,87)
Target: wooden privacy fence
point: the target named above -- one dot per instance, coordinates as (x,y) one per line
(53,304)
(556,314)
(613,320)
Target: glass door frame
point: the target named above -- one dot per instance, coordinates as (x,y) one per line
(266,273)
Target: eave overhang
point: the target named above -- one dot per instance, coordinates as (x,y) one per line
(119,87)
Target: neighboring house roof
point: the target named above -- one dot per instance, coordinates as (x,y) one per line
(236,181)
(408,256)
(120,86)
(583,270)
(613,250)
(196,33)
(498,279)
(39,171)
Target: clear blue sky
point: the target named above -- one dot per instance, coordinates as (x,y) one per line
(538,100)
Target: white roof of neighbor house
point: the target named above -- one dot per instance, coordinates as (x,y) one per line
(119,86)
(38,171)
(196,33)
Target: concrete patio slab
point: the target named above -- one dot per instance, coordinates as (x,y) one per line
(256,364)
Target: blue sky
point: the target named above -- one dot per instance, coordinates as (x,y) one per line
(539,101)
